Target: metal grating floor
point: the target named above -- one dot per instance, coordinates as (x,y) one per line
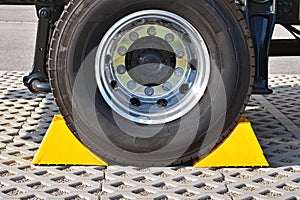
(25,117)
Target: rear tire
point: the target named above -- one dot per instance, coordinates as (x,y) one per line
(113,124)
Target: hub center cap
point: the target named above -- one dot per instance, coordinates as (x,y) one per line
(150,61)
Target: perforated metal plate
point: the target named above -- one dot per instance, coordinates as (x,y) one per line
(25,117)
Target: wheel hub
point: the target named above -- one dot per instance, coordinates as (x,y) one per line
(152,67)
(150,61)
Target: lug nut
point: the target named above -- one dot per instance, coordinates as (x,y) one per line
(122,51)
(167,86)
(179,53)
(169,38)
(131,85)
(151,31)
(134,36)
(149,91)
(121,69)
(179,72)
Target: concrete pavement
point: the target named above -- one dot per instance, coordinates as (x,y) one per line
(17,37)
(284,65)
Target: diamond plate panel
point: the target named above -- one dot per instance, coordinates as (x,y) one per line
(25,117)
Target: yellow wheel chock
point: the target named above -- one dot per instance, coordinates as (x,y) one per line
(61,147)
(239,149)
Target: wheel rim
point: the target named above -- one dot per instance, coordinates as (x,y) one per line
(152,67)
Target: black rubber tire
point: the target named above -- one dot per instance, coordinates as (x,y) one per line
(117,140)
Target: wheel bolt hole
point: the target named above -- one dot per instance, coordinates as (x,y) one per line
(184,88)
(108,59)
(114,84)
(162,103)
(186,39)
(193,64)
(135,102)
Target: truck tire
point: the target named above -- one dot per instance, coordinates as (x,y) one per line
(151,82)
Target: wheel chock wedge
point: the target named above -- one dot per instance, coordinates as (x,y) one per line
(239,149)
(61,147)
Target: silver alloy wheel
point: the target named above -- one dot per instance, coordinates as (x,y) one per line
(152,67)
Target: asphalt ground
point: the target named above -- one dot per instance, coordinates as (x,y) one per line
(18,26)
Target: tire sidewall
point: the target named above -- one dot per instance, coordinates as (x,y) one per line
(196,133)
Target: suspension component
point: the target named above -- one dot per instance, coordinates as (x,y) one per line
(261,16)
(48,13)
